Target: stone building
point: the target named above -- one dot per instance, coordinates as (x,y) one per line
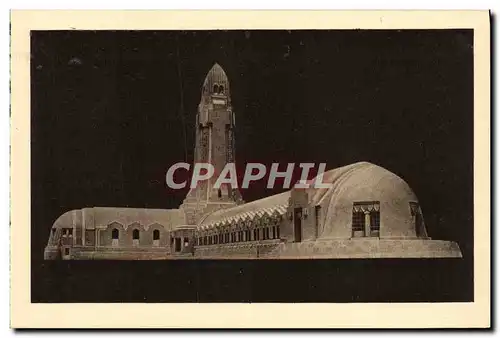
(366,212)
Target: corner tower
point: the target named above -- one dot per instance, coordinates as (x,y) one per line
(214,144)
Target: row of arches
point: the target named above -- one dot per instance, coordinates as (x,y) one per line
(136,234)
(263,228)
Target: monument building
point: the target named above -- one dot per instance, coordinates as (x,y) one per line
(365,212)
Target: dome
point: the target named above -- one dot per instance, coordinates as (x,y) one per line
(365,183)
(216,82)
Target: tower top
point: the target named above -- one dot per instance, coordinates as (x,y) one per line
(216,82)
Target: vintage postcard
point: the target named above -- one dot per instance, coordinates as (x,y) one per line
(250,169)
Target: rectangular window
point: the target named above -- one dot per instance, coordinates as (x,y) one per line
(358,224)
(317,211)
(375,223)
(366,219)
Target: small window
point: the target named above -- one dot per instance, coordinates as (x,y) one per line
(216,88)
(186,241)
(416,213)
(66,251)
(135,234)
(156,235)
(364,215)
(358,224)
(221,89)
(115,234)
(375,223)
(219,193)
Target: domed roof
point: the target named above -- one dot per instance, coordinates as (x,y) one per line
(364,182)
(216,81)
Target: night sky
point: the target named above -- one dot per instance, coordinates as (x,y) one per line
(107,122)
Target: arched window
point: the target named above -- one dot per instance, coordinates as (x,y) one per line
(156,235)
(221,89)
(135,234)
(115,234)
(216,89)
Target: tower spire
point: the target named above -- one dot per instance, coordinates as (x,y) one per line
(214,144)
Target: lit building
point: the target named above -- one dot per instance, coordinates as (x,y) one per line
(366,212)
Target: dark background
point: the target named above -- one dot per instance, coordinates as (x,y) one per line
(107,122)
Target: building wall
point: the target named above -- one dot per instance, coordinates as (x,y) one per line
(126,235)
(365,182)
(366,248)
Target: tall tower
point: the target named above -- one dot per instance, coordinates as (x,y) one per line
(214,144)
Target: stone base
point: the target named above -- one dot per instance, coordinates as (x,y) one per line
(367,248)
(109,253)
(274,249)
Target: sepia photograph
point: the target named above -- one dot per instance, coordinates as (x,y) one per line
(246,166)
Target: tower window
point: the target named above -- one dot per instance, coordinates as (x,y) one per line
(115,234)
(156,235)
(135,234)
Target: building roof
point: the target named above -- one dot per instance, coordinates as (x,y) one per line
(216,76)
(272,205)
(103,216)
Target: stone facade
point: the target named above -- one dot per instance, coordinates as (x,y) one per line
(366,212)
